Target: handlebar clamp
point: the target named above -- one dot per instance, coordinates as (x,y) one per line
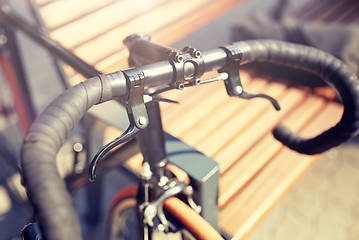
(188,65)
(135,103)
(233,83)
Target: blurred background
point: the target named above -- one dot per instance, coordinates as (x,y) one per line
(266,192)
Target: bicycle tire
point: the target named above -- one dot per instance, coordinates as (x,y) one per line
(122,207)
(122,219)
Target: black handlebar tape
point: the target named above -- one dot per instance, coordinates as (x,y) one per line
(47,191)
(325,66)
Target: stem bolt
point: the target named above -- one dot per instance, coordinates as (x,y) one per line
(180,86)
(160,227)
(179,58)
(196,54)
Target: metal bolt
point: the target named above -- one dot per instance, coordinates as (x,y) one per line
(150,211)
(142,121)
(197,81)
(149,214)
(189,190)
(160,227)
(198,209)
(179,58)
(163,181)
(239,89)
(180,86)
(78,147)
(147,98)
(197,54)
(5,9)
(146,171)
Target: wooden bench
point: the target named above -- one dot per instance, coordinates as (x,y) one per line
(256,170)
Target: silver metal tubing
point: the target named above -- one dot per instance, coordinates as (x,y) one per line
(214,59)
(162,73)
(157,74)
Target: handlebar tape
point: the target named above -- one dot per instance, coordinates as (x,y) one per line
(47,191)
(325,66)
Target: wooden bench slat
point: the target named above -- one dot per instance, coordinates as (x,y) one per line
(351,14)
(173,32)
(59,13)
(179,29)
(256,202)
(233,151)
(252,162)
(111,42)
(198,111)
(135,162)
(214,120)
(121,12)
(43,2)
(332,112)
(334,11)
(121,63)
(330,11)
(179,95)
(234,126)
(186,102)
(248,207)
(305,8)
(314,8)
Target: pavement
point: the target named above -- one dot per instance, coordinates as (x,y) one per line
(323,205)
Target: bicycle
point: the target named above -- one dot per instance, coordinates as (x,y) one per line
(159,198)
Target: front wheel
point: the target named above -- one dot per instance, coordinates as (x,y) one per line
(122,218)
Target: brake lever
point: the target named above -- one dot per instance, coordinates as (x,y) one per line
(137,115)
(250,96)
(129,134)
(233,82)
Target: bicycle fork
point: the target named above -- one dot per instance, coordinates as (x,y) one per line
(157,183)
